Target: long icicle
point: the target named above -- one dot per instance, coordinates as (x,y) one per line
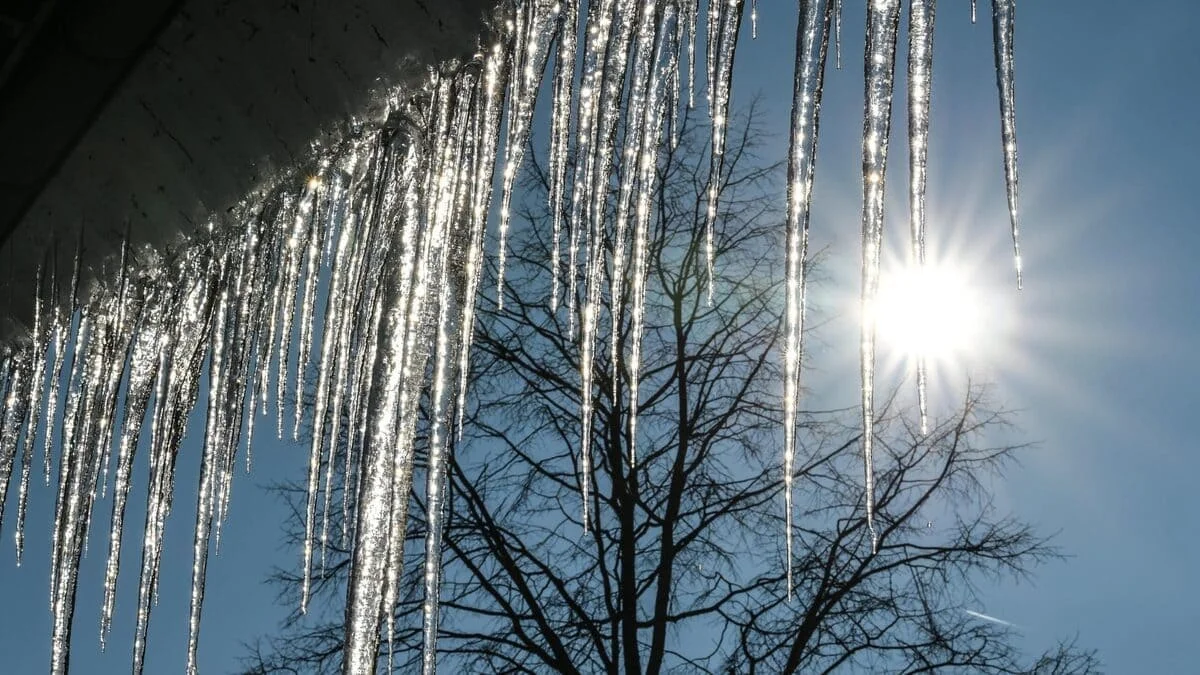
(1003,19)
(41,346)
(721,52)
(143,364)
(641,139)
(921,16)
(607,54)
(812,45)
(449,203)
(883,18)
(531,50)
(564,79)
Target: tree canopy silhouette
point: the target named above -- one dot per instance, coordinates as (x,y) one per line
(681,568)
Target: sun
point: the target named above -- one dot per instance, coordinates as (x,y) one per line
(930,311)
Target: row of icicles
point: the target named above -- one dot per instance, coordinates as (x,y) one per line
(391,225)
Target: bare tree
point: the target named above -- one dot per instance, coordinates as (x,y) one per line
(681,568)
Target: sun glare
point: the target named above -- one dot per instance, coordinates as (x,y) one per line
(929,311)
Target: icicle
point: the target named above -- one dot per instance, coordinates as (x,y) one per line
(651,140)
(79,466)
(240,310)
(41,346)
(812,46)
(293,255)
(143,362)
(598,32)
(386,474)
(674,83)
(336,306)
(638,130)
(607,57)
(973,13)
(66,502)
(754,20)
(15,399)
(531,49)
(176,394)
(213,460)
(564,80)
(712,39)
(485,127)
(921,16)
(690,8)
(723,34)
(315,455)
(116,353)
(883,18)
(317,235)
(1003,18)
(62,330)
(204,520)
(450,202)
(837,29)
(345,292)
(252,292)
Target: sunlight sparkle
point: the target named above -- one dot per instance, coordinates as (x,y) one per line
(931,311)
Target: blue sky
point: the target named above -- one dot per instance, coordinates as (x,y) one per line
(1097,352)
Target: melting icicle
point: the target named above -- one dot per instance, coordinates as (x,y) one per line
(921,16)
(335,306)
(883,18)
(1003,19)
(812,45)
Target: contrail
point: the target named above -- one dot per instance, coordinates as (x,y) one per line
(993,619)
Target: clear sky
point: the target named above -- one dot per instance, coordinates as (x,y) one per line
(1097,352)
